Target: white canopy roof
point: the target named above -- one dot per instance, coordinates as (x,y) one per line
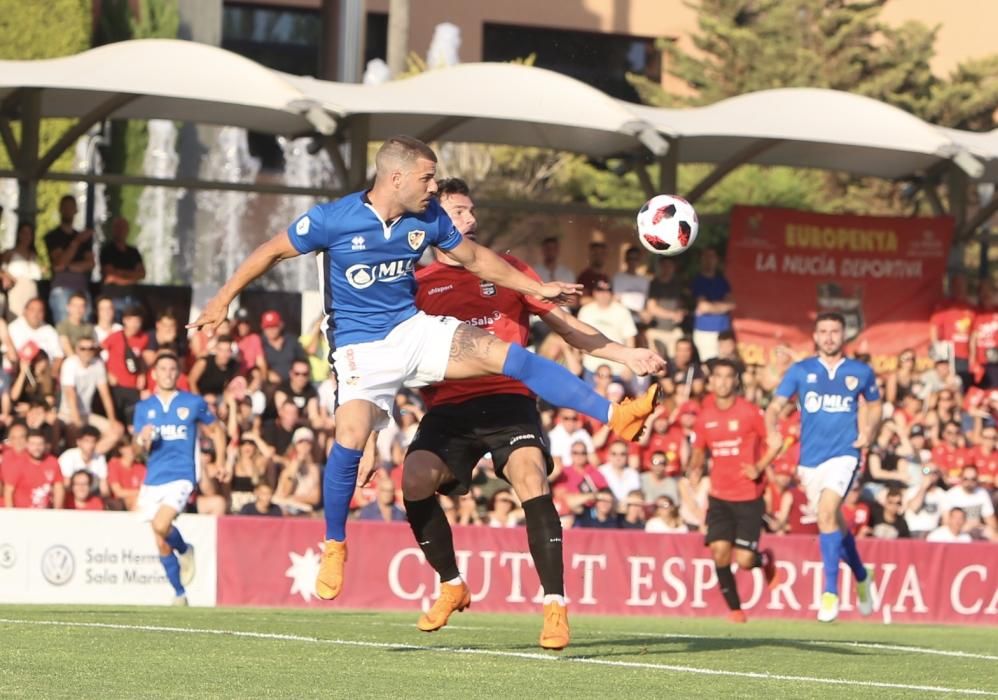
(982,145)
(164,79)
(806,127)
(497,103)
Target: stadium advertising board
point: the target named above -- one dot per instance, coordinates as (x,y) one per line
(606,572)
(883,274)
(92,557)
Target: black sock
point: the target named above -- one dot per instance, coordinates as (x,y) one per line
(544,539)
(432,531)
(726,579)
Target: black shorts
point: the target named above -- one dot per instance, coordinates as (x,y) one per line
(738,522)
(461,433)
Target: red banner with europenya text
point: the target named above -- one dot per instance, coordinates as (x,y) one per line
(883,274)
(270,562)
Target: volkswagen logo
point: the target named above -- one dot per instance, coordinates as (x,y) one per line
(58,565)
(8,556)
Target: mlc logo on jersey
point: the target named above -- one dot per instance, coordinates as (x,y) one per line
(416,239)
(362,276)
(829,403)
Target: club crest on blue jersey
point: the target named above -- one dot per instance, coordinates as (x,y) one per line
(852,383)
(182,413)
(416,239)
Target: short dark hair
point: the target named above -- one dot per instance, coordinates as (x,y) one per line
(632,249)
(35,432)
(830,316)
(725,362)
(166,313)
(165,355)
(452,185)
(64,197)
(78,295)
(133,310)
(726,335)
(90,477)
(90,431)
(403,148)
(550,239)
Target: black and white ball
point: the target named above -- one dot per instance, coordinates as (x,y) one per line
(667,225)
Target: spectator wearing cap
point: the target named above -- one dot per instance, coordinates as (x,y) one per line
(984,338)
(631,287)
(263,503)
(383,508)
(80,494)
(299,487)
(249,344)
(125,369)
(212,374)
(83,378)
(74,326)
(713,304)
(923,503)
(71,255)
(594,271)
(33,479)
(665,308)
(29,333)
(952,532)
(85,457)
(121,266)
(125,476)
(612,319)
(974,500)
(279,347)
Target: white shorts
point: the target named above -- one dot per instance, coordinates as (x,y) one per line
(414,354)
(835,474)
(173,494)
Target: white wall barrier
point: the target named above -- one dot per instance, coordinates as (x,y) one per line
(90,557)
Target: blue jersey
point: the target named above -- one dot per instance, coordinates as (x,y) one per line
(366,266)
(829,401)
(174,446)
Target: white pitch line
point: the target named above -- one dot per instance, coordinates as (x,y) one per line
(503,654)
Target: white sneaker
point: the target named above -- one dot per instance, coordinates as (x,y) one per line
(186,566)
(180,601)
(829,609)
(864,599)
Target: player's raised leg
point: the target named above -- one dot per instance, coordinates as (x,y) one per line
(168,541)
(476,353)
(526,471)
(422,476)
(355,421)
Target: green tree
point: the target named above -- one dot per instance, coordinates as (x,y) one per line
(38,30)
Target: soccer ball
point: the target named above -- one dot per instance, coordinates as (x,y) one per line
(667,225)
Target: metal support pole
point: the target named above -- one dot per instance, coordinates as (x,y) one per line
(668,174)
(27,167)
(359,134)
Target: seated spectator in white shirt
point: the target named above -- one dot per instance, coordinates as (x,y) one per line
(952,531)
(561,437)
(83,376)
(666,518)
(85,456)
(31,327)
(621,478)
(923,503)
(612,319)
(976,503)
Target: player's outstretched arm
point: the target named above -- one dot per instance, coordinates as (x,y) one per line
(489,266)
(260,260)
(868,419)
(773,411)
(581,335)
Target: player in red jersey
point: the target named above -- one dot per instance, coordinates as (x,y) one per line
(734,431)
(470,417)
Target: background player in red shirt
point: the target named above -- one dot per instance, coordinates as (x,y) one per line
(734,432)
(470,417)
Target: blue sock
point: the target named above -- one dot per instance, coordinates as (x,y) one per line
(338,485)
(850,555)
(554,383)
(176,541)
(172,568)
(831,546)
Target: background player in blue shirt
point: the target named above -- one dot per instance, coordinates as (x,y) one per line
(835,426)
(166,428)
(368,244)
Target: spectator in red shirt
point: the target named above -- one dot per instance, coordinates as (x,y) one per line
(575,488)
(33,479)
(984,339)
(855,512)
(80,496)
(668,439)
(984,456)
(734,432)
(949,455)
(249,343)
(951,324)
(125,476)
(787,509)
(125,369)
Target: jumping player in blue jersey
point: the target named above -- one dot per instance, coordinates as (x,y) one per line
(835,426)
(368,244)
(166,428)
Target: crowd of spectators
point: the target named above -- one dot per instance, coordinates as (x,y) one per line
(67,392)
